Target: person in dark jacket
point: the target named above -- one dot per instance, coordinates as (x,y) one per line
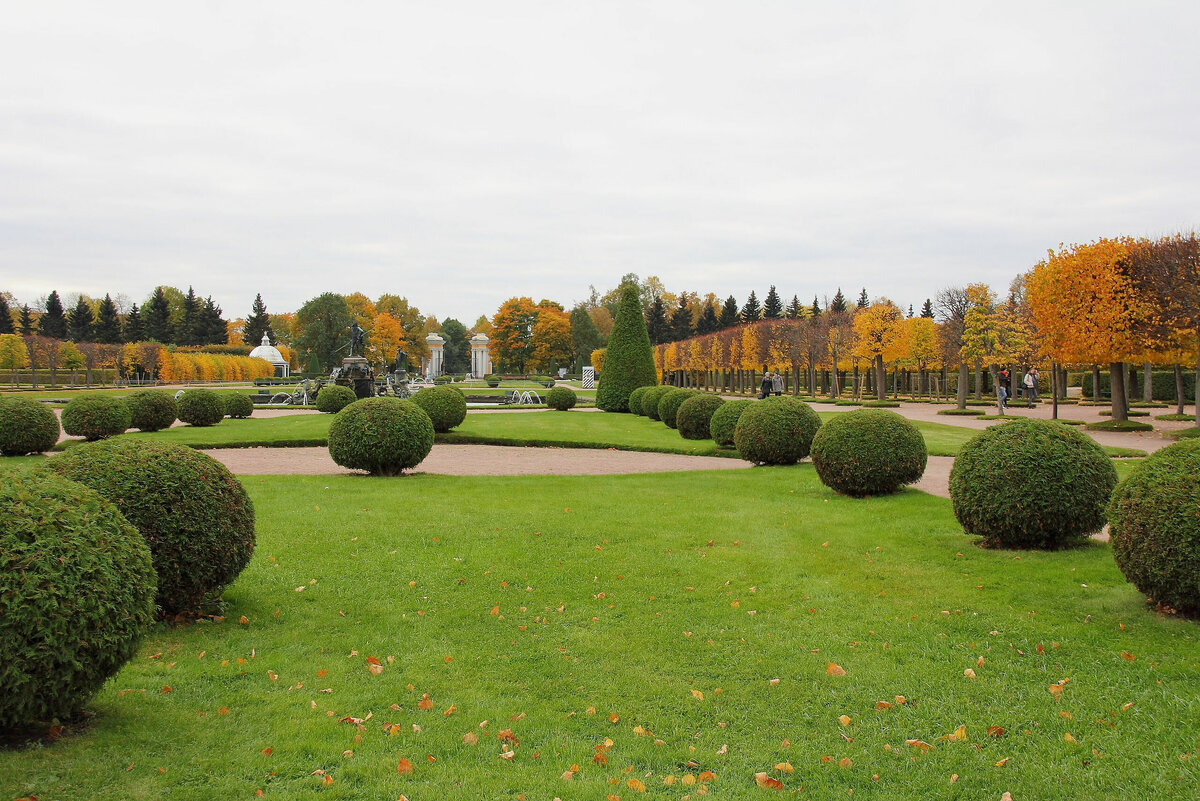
(765,389)
(1005,388)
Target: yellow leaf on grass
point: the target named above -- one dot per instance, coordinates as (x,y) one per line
(969,673)
(699,696)
(835,670)
(636,785)
(785,767)
(766,782)
(1068,738)
(469,738)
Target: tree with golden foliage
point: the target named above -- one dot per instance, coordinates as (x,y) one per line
(993,334)
(876,329)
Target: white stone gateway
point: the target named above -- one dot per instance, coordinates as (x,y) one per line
(433,365)
(481,357)
(589,377)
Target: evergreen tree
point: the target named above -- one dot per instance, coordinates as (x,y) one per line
(838,304)
(108,322)
(6,321)
(156,320)
(53,322)
(456,352)
(681,320)
(793,309)
(815,311)
(752,311)
(862,299)
(258,323)
(188,330)
(27,326)
(708,322)
(772,307)
(656,322)
(729,313)
(80,322)
(211,326)
(927,309)
(585,336)
(133,331)
(629,360)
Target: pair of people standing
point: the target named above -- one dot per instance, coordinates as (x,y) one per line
(1029,383)
(771,383)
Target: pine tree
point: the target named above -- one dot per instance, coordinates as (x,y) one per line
(133,331)
(189,324)
(793,309)
(656,322)
(729,313)
(108,322)
(257,324)
(838,304)
(708,322)
(862,299)
(27,326)
(815,311)
(53,322)
(80,322)
(910,311)
(156,320)
(752,311)
(629,359)
(772,307)
(927,309)
(6,321)
(212,328)
(681,319)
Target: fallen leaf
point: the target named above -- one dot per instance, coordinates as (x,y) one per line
(835,670)
(766,782)
(881,705)
(785,767)
(699,696)
(969,673)
(404,767)
(1002,763)
(844,720)
(636,785)
(469,738)
(920,745)
(1068,738)
(995,731)
(707,776)
(327,780)
(507,755)
(845,762)
(425,704)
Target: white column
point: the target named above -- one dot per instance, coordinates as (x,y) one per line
(481,359)
(435,344)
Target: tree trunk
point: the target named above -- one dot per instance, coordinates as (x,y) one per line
(978,381)
(1148,383)
(1096,382)
(1128,385)
(880,379)
(1054,390)
(1197,395)
(996,384)
(1120,407)
(856,387)
(962,385)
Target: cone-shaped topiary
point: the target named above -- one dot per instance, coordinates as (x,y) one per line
(201,407)
(95,416)
(635,400)
(1155,526)
(446,406)
(695,413)
(778,430)
(332,398)
(26,426)
(1031,484)
(629,360)
(383,436)
(195,516)
(151,409)
(76,594)
(651,398)
(561,398)
(238,406)
(868,452)
(669,403)
(725,419)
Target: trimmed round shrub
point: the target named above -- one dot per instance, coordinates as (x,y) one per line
(446,407)
(492,380)
(383,436)
(669,403)
(151,409)
(1031,484)
(334,397)
(561,398)
(76,594)
(635,400)
(694,414)
(201,407)
(868,452)
(95,416)
(1155,528)
(26,426)
(238,406)
(652,397)
(725,419)
(629,359)
(194,515)
(778,430)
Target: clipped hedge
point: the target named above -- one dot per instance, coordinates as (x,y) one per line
(26,426)
(1119,425)
(95,416)
(1031,484)
(669,403)
(869,452)
(962,412)
(446,406)
(76,594)
(651,398)
(725,419)
(563,398)
(695,413)
(238,406)
(777,430)
(635,400)
(194,515)
(1155,526)
(1162,383)
(383,436)
(151,409)
(332,398)
(629,359)
(201,407)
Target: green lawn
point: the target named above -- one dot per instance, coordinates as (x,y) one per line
(531,602)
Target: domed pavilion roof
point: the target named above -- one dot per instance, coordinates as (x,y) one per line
(268,351)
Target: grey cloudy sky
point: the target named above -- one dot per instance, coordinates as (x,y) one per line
(459,153)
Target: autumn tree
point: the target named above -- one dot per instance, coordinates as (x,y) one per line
(876,329)
(920,346)
(387,337)
(13,354)
(512,334)
(992,334)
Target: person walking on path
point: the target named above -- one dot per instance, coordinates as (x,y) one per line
(777,383)
(765,390)
(1005,388)
(1030,382)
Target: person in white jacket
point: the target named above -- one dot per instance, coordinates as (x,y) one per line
(1030,384)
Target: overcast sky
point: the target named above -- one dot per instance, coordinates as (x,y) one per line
(460,153)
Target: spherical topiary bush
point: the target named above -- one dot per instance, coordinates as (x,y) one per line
(194,515)
(334,397)
(76,593)
(724,421)
(868,452)
(446,407)
(383,436)
(1154,518)
(201,407)
(26,426)
(778,430)
(635,400)
(238,406)
(151,409)
(1031,484)
(652,397)
(669,403)
(695,413)
(95,416)
(562,399)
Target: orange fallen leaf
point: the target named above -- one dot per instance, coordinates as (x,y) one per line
(322,673)
(567,775)
(766,782)
(425,704)
(969,673)
(614,717)
(1068,738)
(508,755)
(450,711)
(599,758)
(835,670)
(404,767)
(995,731)
(920,745)
(327,780)
(1002,763)
(268,751)
(166,689)
(1125,707)
(469,738)
(636,785)
(495,610)
(707,776)
(223,710)
(1128,657)
(507,736)
(881,705)
(844,720)
(845,762)
(699,696)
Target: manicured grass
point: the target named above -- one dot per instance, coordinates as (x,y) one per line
(543,599)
